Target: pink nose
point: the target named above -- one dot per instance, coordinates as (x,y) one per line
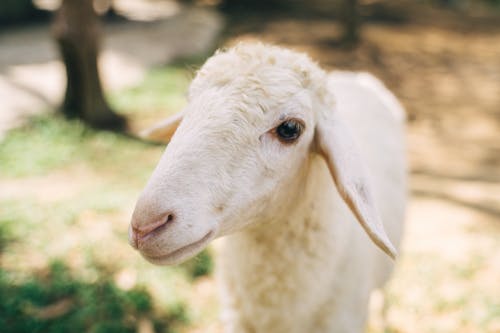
(140,230)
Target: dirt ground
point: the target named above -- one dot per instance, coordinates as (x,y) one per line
(446,71)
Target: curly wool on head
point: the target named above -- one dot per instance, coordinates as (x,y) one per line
(258,67)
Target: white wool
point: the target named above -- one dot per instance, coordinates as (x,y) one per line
(295,258)
(313,271)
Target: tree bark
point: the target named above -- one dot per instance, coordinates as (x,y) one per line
(77,31)
(351,22)
(242,5)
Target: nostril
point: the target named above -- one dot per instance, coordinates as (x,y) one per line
(141,232)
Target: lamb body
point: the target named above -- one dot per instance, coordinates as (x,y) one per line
(295,258)
(313,268)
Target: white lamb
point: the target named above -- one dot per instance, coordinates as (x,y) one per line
(284,159)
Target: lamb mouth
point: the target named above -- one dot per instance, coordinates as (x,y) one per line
(183,253)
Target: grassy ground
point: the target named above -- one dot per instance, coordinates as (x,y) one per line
(67,193)
(66,197)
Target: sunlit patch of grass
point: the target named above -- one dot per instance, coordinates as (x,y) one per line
(469,269)
(492,314)
(162,89)
(6,235)
(42,144)
(51,142)
(28,216)
(18,217)
(86,235)
(84,228)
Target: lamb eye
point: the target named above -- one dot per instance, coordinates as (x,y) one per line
(289,130)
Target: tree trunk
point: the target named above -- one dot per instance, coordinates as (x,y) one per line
(76,29)
(351,22)
(263,5)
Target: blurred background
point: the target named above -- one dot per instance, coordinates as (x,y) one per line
(78,80)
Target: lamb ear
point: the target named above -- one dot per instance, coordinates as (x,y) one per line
(338,147)
(163,131)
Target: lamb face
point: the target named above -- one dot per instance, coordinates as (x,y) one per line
(255,115)
(236,159)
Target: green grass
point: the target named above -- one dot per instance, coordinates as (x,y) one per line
(60,301)
(201,265)
(43,144)
(50,142)
(63,226)
(163,89)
